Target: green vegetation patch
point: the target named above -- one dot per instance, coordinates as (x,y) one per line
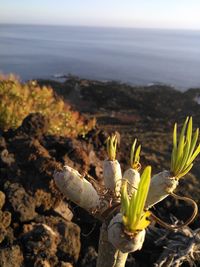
(20,99)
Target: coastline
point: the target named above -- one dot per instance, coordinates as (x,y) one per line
(74,89)
(61,78)
(144,112)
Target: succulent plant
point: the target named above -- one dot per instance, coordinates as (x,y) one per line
(123,202)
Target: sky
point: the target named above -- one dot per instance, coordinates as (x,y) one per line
(177,14)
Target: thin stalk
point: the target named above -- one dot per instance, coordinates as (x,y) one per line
(108,255)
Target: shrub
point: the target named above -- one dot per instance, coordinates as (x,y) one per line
(20,99)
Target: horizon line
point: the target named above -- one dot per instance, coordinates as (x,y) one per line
(98,26)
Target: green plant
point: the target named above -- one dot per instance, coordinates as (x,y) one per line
(185,151)
(134,216)
(20,99)
(112,147)
(125,211)
(135,156)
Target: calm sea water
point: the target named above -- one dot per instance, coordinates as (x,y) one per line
(137,56)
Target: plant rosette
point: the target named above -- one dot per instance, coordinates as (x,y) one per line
(184,152)
(126,230)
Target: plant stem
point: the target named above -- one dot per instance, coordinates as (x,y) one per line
(108,256)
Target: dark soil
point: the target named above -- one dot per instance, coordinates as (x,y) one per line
(38,226)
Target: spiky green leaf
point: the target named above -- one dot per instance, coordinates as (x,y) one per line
(179,154)
(194,142)
(141,195)
(125,199)
(175,136)
(194,155)
(185,156)
(137,154)
(174,151)
(183,173)
(189,131)
(133,152)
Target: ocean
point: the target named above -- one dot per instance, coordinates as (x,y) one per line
(136,56)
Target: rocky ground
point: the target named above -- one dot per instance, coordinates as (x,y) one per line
(39,227)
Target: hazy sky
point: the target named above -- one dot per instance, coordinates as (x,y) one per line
(124,13)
